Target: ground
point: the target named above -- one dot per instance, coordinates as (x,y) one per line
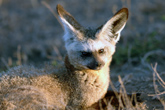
(30,34)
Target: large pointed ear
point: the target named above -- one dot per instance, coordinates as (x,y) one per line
(68,21)
(115,25)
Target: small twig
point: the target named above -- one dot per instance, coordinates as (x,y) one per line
(51,10)
(19,62)
(113,87)
(158,52)
(57,52)
(5,63)
(10,62)
(124,80)
(155,86)
(157,92)
(158,74)
(100,105)
(162,93)
(109,106)
(127,102)
(160,82)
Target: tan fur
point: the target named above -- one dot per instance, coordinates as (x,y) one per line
(75,85)
(46,89)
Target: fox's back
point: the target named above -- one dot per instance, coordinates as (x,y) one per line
(27,87)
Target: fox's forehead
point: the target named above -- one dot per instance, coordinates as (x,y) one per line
(90,33)
(91,42)
(91,45)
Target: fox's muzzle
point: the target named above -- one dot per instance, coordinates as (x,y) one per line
(96,65)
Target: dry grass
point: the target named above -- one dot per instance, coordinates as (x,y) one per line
(125,101)
(159,95)
(149,101)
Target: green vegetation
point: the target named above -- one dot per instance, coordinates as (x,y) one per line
(138,48)
(163,17)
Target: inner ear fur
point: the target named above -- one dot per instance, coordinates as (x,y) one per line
(112,28)
(119,20)
(67,19)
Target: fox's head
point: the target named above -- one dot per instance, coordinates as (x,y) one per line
(91,48)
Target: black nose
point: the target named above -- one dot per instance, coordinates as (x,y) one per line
(95,66)
(98,64)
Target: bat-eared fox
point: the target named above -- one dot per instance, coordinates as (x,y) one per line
(79,83)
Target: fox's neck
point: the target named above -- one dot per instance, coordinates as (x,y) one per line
(100,76)
(89,84)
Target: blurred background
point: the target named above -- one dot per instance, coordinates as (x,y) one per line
(30,34)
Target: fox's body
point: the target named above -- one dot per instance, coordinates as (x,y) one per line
(83,79)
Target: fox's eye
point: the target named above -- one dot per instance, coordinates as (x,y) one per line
(101,51)
(85,53)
